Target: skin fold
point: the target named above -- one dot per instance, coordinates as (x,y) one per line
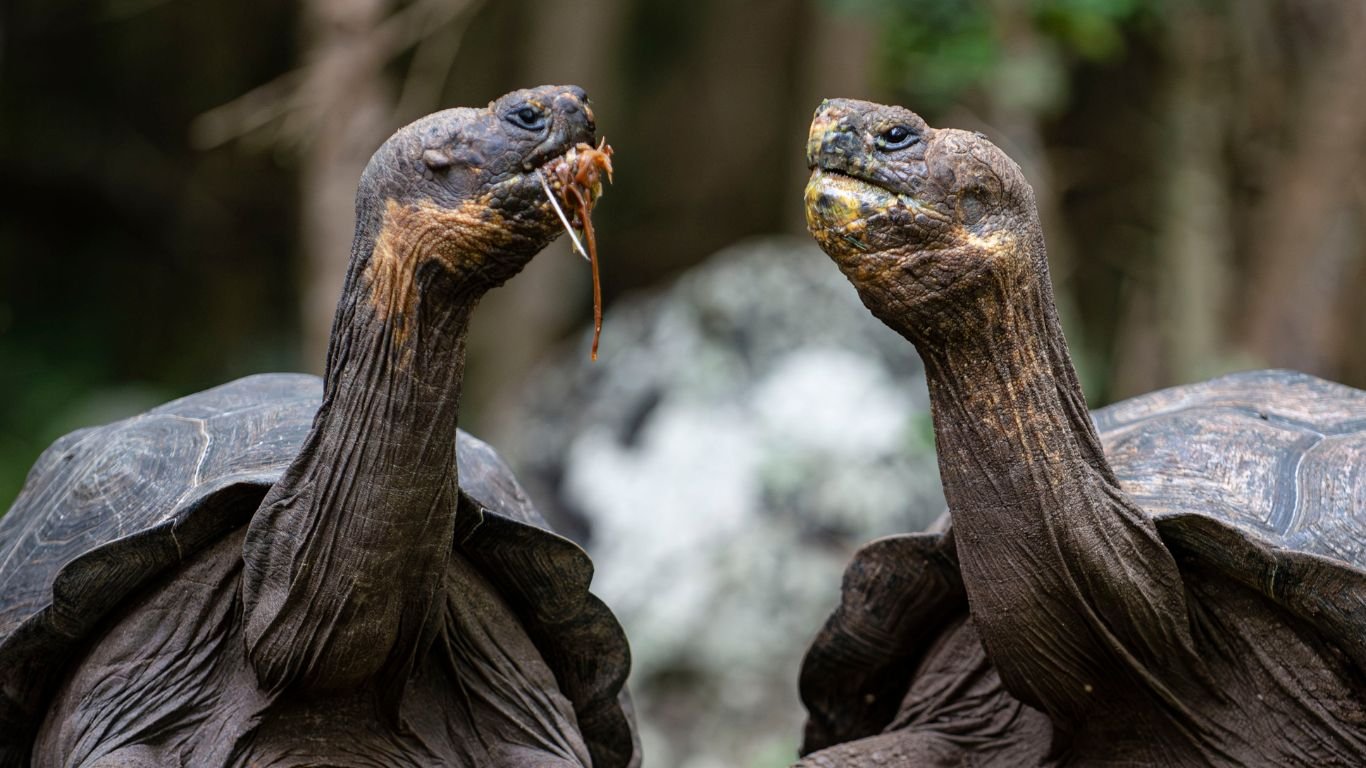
(1059,626)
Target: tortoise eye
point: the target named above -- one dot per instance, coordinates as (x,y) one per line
(528,118)
(895,138)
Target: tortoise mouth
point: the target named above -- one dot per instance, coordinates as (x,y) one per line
(528,183)
(545,169)
(842,204)
(550,159)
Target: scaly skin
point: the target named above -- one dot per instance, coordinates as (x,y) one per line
(342,626)
(1081,608)
(345,557)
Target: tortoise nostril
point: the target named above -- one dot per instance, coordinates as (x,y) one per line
(841,141)
(573,104)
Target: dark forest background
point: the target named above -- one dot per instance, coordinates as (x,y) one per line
(176,176)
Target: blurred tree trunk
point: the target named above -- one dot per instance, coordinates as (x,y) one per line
(1020,98)
(1300,262)
(736,69)
(1172,326)
(345,86)
(1194,247)
(1353,316)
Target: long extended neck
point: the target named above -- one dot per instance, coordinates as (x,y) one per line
(346,556)
(1075,595)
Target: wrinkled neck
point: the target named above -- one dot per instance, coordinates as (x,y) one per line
(1070,585)
(1003,386)
(394,370)
(345,558)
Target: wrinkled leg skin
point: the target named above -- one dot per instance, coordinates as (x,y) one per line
(956,713)
(131,757)
(169,684)
(1261,703)
(889,750)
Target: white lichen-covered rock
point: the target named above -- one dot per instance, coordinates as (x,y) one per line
(743,432)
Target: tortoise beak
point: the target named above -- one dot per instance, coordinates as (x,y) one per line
(573,123)
(835,140)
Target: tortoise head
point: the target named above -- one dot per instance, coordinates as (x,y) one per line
(927,223)
(460,186)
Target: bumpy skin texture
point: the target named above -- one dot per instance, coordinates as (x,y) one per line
(345,557)
(391,600)
(1058,621)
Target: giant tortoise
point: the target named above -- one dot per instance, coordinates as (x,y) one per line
(286,571)
(1187,590)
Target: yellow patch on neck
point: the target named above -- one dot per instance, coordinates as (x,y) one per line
(990,242)
(463,239)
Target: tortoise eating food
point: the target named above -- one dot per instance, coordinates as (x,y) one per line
(1183,587)
(286,571)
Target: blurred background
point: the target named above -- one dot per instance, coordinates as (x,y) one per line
(176,211)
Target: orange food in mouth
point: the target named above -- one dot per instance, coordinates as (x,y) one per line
(580,172)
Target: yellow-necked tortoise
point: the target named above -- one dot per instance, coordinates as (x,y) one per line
(1179,583)
(288,571)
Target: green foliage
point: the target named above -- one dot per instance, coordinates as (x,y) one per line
(936,52)
(1091,29)
(933,50)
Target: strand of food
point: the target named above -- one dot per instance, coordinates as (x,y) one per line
(579,173)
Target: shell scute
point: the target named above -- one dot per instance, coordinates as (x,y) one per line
(1258,477)
(106,509)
